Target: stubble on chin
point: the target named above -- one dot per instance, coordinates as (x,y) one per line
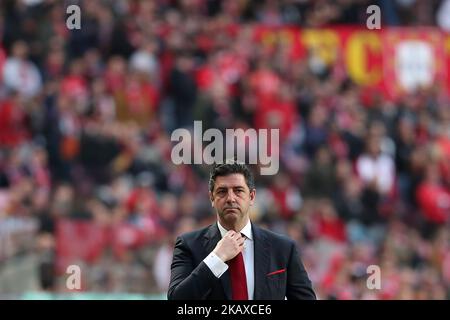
(231,220)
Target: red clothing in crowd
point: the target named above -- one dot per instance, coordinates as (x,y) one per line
(265,84)
(333,229)
(434,201)
(114,80)
(278,114)
(444,163)
(12,124)
(140,102)
(204,77)
(74,86)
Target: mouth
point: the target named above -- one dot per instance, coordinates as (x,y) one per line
(231,209)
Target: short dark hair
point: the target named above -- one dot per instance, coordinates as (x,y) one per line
(230,167)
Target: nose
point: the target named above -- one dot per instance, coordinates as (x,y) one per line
(231,197)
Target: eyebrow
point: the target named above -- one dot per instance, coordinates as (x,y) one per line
(231,187)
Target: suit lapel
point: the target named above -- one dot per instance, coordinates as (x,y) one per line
(212,236)
(262,261)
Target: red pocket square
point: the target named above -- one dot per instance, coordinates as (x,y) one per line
(276,272)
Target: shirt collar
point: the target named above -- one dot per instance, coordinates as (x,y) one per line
(246,231)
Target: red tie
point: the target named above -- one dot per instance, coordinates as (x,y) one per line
(238,278)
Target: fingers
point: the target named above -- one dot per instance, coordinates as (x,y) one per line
(230,245)
(231,233)
(236,237)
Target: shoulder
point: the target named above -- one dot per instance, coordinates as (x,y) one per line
(275,239)
(195,235)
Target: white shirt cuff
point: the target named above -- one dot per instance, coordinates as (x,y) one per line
(215,264)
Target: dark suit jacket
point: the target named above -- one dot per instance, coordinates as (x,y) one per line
(191,279)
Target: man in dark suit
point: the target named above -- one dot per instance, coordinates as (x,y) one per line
(234,259)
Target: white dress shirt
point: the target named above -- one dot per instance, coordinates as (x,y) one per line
(218,267)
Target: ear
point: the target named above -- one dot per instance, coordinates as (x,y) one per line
(252,196)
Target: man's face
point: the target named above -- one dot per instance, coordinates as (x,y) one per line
(232,198)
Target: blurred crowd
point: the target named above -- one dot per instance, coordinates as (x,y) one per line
(85,123)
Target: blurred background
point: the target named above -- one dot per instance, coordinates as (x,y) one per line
(86,117)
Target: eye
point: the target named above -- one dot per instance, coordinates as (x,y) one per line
(220,192)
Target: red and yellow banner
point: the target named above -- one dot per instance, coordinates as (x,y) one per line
(392,60)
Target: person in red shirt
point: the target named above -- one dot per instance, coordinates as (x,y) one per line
(330,226)
(278,112)
(13,128)
(433,198)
